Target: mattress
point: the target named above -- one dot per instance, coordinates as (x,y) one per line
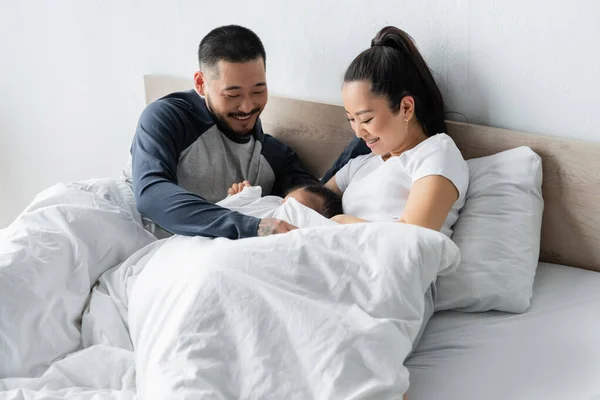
(552,351)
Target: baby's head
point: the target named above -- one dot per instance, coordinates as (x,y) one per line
(319,198)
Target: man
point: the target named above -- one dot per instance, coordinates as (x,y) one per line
(190,147)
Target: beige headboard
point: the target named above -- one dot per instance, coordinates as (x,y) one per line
(571,224)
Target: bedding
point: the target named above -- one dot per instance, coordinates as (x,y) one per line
(334,318)
(552,351)
(50,258)
(498,234)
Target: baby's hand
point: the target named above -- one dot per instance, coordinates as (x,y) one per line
(238,187)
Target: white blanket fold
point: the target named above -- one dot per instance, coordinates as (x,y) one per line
(98,372)
(50,258)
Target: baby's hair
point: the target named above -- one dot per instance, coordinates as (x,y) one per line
(332,203)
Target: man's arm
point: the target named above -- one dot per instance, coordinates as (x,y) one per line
(355,148)
(288,169)
(160,137)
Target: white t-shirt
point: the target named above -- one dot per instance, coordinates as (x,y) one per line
(377,190)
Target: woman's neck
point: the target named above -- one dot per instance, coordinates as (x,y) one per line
(416,136)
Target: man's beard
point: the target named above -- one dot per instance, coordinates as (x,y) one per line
(223,124)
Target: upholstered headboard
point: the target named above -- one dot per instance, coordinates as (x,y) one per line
(571,224)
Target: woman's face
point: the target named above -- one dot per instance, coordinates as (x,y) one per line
(372,119)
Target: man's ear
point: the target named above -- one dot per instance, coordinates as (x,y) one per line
(199,82)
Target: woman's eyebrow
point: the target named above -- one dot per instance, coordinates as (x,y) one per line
(361,112)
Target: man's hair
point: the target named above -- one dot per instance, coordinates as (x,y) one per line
(231,43)
(332,203)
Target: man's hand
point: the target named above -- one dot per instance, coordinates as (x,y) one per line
(238,187)
(273,226)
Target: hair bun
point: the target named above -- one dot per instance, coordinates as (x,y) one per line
(377,42)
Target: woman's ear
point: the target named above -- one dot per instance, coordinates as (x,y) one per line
(407,107)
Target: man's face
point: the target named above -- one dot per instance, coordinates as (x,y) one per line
(236,94)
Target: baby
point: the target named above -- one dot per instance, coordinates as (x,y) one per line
(319,198)
(316,197)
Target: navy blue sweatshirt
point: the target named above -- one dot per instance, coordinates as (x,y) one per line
(181,164)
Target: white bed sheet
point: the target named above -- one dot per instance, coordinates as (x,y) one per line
(552,351)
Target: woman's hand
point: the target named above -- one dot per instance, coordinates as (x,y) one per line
(347,219)
(238,187)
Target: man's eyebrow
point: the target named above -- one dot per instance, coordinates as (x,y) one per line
(259,84)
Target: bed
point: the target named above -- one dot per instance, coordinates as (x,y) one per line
(550,351)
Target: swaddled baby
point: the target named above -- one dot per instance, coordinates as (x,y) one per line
(248,200)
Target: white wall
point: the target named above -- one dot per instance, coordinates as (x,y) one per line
(71,71)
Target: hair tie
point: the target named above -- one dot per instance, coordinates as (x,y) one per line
(377,43)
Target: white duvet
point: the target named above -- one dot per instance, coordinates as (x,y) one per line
(324,312)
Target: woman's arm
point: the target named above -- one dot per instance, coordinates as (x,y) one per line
(347,219)
(429,202)
(332,185)
(342,218)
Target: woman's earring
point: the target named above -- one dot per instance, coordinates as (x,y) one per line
(406,120)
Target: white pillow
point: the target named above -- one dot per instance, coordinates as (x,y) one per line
(498,234)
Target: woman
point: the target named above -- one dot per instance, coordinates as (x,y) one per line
(414,173)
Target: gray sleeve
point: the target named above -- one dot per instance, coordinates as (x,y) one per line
(160,137)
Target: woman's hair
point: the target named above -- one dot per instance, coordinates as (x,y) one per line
(395,68)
